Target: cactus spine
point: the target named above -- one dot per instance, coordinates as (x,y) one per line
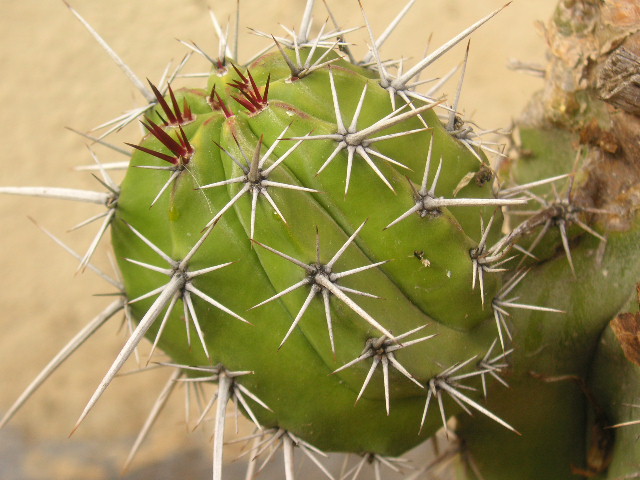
(328,240)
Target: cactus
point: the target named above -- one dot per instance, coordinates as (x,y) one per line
(339,254)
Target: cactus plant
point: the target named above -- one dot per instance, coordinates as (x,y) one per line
(336,251)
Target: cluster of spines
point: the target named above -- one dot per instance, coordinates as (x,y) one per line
(557,213)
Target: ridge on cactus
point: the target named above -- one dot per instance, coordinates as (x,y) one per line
(335,250)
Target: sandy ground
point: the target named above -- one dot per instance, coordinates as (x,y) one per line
(54,75)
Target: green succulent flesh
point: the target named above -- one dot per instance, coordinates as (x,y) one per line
(335,251)
(324,245)
(426,280)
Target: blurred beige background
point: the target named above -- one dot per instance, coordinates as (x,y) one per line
(55,75)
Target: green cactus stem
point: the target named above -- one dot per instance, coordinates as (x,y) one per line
(338,253)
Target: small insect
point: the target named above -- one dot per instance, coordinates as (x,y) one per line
(484,175)
(419,254)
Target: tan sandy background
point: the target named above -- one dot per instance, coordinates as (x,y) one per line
(54,75)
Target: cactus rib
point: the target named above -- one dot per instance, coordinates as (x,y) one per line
(329,140)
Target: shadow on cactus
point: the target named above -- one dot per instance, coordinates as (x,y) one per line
(330,246)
